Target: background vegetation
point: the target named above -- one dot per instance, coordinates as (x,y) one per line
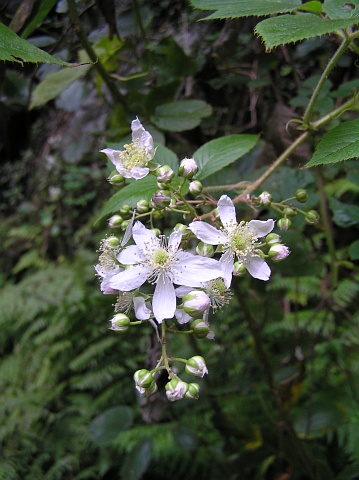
(281,398)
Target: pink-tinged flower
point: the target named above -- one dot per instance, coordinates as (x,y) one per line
(278,252)
(161,263)
(236,239)
(176,389)
(131,162)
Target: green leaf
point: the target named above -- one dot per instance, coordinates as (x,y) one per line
(314,7)
(341,8)
(55,83)
(44,8)
(138,460)
(245,8)
(340,143)
(15,49)
(106,426)
(345,214)
(218,153)
(353,250)
(180,116)
(292,28)
(130,195)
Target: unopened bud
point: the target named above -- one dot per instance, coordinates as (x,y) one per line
(195,187)
(188,168)
(161,199)
(164,174)
(125,224)
(157,214)
(113,241)
(180,227)
(196,303)
(176,389)
(278,252)
(272,239)
(115,221)
(239,269)
(125,210)
(200,329)
(142,206)
(116,179)
(284,224)
(312,217)
(143,378)
(265,199)
(196,366)
(120,323)
(192,391)
(301,195)
(289,212)
(156,231)
(205,250)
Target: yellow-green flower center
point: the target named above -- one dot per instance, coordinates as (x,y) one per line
(242,240)
(160,257)
(133,155)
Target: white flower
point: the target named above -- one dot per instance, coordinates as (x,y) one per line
(131,162)
(236,239)
(163,264)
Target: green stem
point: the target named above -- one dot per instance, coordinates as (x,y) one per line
(331,64)
(74,17)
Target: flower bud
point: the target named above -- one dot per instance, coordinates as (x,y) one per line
(147,392)
(142,206)
(239,269)
(113,241)
(192,391)
(196,366)
(265,199)
(195,187)
(289,212)
(120,323)
(157,214)
(278,252)
(176,389)
(116,179)
(115,221)
(161,199)
(188,168)
(143,378)
(156,231)
(125,210)
(195,303)
(125,224)
(312,217)
(180,227)
(284,224)
(301,195)
(272,239)
(205,250)
(200,329)
(164,174)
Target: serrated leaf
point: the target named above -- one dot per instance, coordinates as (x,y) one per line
(245,8)
(130,195)
(345,214)
(292,28)
(340,143)
(181,116)
(218,153)
(106,426)
(15,49)
(341,8)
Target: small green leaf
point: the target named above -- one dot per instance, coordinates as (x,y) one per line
(44,8)
(180,116)
(340,143)
(218,153)
(106,426)
(15,49)
(245,8)
(341,8)
(130,195)
(138,460)
(345,215)
(314,7)
(292,28)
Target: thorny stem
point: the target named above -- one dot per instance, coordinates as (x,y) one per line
(265,362)
(74,17)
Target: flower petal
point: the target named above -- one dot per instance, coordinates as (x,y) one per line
(182,316)
(194,270)
(141,310)
(130,255)
(164,299)
(257,267)
(140,135)
(226,261)
(112,155)
(182,291)
(226,211)
(175,240)
(129,279)
(138,172)
(261,228)
(207,233)
(144,236)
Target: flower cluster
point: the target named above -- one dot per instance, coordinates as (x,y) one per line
(164,280)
